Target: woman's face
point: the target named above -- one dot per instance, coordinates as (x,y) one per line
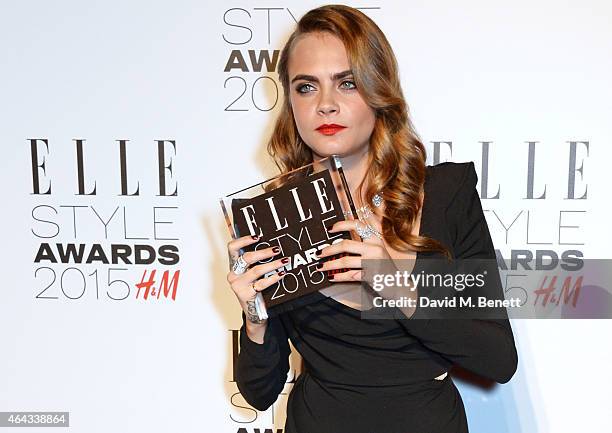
(322,92)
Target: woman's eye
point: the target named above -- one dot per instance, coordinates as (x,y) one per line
(307,87)
(304,88)
(348,84)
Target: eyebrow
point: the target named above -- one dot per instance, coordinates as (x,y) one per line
(334,77)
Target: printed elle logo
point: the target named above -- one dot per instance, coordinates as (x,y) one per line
(85,249)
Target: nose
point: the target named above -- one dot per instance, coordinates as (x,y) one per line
(327,103)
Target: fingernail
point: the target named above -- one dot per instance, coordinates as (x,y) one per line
(319,252)
(254,237)
(330,277)
(276,250)
(281,273)
(330,228)
(285,260)
(319,265)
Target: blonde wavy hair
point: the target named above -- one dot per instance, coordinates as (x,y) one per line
(397,155)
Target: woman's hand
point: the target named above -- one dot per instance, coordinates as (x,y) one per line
(371,248)
(246,285)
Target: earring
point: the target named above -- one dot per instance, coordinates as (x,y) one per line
(377,200)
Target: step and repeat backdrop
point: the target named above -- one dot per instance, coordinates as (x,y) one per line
(124,122)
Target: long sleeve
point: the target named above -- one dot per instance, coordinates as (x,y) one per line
(485,347)
(262,368)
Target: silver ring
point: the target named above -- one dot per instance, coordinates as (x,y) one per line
(364,233)
(239,265)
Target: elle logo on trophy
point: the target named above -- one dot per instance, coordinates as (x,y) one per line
(292,211)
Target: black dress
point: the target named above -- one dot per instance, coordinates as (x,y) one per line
(377,376)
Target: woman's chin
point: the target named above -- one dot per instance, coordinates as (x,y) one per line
(328,150)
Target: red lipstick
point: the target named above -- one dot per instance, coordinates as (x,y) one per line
(330,128)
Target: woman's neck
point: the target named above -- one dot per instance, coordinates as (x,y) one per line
(355,169)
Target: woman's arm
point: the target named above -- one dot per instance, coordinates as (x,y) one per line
(485,347)
(262,368)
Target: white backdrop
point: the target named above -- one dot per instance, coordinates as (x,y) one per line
(155,72)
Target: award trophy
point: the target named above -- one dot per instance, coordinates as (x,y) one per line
(292,211)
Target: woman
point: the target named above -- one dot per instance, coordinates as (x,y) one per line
(343,96)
